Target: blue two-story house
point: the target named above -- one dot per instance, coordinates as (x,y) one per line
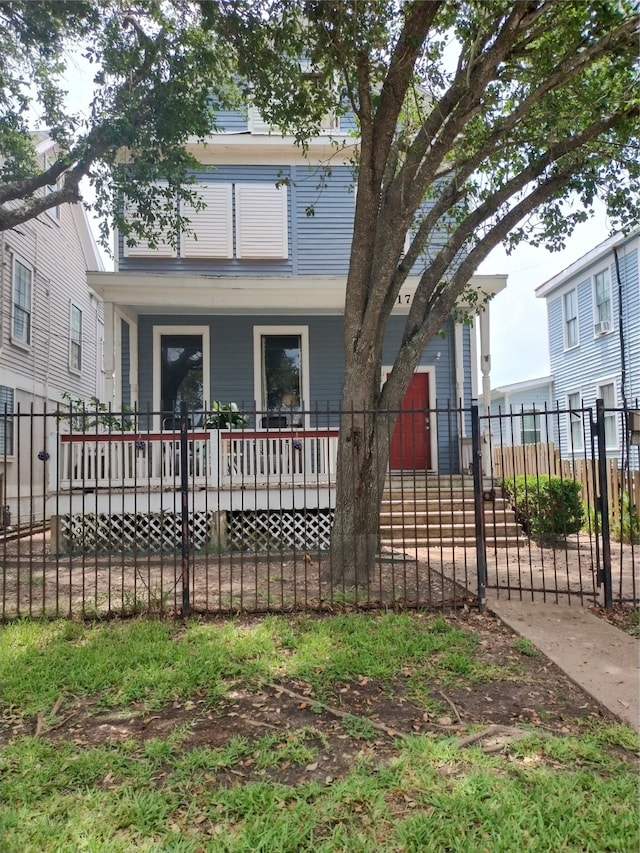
(251,304)
(593,310)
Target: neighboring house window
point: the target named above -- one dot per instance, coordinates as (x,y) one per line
(602,299)
(530,428)
(22,295)
(570,304)
(607,391)
(281,363)
(6,421)
(574,404)
(75,339)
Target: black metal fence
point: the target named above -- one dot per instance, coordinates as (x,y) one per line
(113,513)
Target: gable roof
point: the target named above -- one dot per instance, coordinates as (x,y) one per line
(585,261)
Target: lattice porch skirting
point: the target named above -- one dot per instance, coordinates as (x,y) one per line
(104,533)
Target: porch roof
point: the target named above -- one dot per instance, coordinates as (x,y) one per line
(180,293)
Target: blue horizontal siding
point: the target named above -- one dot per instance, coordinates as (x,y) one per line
(231,344)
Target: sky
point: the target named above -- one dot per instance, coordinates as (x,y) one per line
(519,341)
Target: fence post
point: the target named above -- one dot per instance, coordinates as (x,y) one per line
(184,500)
(476,463)
(602,504)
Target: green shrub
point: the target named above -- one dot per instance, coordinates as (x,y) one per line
(625,527)
(548,508)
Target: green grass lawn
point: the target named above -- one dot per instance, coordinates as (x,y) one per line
(114,739)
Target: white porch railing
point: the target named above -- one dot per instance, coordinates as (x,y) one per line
(216,459)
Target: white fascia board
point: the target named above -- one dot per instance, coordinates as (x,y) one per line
(524,385)
(92,256)
(183,294)
(591,257)
(245,149)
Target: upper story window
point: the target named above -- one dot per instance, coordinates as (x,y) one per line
(6,421)
(570,308)
(251,218)
(607,391)
(574,404)
(22,291)
(602,302)
(261,221)
(75,339)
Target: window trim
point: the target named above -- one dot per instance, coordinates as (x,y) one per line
(28,344)
(565,319)
(158,332)
(258,333)
(570,445)
(601,383)
(596,319)
(75,370)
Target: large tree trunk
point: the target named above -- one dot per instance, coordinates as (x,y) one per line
(363,457)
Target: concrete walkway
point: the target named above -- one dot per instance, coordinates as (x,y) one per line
(600,658)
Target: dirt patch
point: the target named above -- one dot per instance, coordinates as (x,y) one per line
(360,717)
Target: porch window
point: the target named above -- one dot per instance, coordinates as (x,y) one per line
(75,339)
(181,372)
(575,421)
(530,428)
(22,296)
(602,297)
(281,374)
(570,304)
(608,393)
(6,421)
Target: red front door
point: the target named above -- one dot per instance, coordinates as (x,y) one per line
(411,442)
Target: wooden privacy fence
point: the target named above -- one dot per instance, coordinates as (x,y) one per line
(532,460)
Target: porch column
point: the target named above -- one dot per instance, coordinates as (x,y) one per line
(485,370)
(109,354)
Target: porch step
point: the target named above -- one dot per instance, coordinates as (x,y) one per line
(422,519)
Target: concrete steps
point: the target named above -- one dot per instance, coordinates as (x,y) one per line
(432,514)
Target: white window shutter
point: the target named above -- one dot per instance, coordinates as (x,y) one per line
(256,124)
(261,221)
(142,249)
(212,226)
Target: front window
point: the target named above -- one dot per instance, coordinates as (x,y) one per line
(181,373)
(21,320)
(574,404)
(75,339)
(281,375)
(570,303)
(602,297)
(530,428)
(6,421)
(607,392)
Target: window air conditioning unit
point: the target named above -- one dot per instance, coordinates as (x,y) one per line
(602,328)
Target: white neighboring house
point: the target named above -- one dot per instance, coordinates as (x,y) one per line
(51,340)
